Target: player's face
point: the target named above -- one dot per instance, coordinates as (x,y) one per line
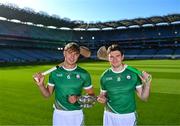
(115,58)
(71,57)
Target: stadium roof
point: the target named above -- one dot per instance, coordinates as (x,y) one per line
(42,19)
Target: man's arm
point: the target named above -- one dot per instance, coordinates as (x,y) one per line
(45,91)
(144,90)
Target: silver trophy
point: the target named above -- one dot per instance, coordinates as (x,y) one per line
(87,101)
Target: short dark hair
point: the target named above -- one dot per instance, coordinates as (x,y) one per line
(73,47)
(115,47)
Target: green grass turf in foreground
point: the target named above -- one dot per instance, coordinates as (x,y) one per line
(22,104)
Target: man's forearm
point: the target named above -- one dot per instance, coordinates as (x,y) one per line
(145,92)
(146,80)
(44,91)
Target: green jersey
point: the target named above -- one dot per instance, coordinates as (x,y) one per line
(69,82)
(120,89)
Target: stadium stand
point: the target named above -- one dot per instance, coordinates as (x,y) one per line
(177,54)
(29,55)
(155,37)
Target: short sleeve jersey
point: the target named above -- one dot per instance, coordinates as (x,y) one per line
(69,82)
(120,88)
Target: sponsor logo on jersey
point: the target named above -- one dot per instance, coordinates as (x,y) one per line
(59,75)
(109,78)
(128,77)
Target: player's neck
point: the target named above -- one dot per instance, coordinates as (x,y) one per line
(69,66)
(118,68)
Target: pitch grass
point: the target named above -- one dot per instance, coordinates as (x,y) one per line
(22,104)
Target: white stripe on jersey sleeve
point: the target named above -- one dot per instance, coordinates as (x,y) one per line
(139,86)
(88,87)
(103,91)
(50,84)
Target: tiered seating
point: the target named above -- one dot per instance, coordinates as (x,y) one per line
(23,30)
(6,57)
(147,53)
(29,55)
(15,53)
(131,53)
(177,53)
(139,43)
(164,53)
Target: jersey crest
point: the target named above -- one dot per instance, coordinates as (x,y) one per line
(77,76)
(128,77)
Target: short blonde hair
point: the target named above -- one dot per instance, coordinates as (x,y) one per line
(74,47)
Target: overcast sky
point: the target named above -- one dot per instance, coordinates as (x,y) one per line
(101,10)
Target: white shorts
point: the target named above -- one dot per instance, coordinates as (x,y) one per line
(68,118)
(112,119)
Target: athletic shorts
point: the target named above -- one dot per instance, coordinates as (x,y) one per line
(68,118)
(112,119)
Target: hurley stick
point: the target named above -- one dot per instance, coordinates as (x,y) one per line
(102,53)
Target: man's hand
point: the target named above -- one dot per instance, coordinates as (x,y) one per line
(102,99)
(72,99)
(39,79)
(146,78)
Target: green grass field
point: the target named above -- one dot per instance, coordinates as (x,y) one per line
(22,104)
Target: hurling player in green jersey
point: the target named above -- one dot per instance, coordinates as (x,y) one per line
(118,86)
(68,82)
